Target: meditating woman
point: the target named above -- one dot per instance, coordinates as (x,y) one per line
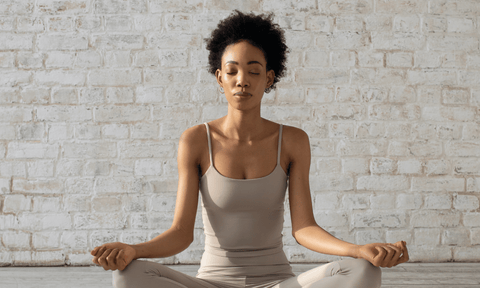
(242,164)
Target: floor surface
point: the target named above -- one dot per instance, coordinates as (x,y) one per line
(415,275)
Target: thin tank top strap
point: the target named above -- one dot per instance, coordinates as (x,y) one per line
(209,144)
(279,144)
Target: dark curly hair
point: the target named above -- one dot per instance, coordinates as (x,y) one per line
(258,30)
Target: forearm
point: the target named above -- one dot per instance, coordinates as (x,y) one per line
(169,243)
(318,240)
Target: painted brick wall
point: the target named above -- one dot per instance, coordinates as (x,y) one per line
(95,94)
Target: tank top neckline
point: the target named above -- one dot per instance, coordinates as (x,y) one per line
(251,179)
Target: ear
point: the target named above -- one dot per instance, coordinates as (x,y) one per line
(218,76)
(270,78)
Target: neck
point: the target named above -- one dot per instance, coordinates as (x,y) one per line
(243,125)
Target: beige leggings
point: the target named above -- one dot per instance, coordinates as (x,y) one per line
(349,273)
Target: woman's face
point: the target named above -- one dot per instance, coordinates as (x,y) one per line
(243,75)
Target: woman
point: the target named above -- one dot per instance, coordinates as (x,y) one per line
(241,163)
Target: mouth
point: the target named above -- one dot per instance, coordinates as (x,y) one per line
(242,94)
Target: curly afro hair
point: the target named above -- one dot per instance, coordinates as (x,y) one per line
(259,31)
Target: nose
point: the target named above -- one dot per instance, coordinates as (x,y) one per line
(242,80)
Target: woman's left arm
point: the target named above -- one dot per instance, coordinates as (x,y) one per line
(306,231)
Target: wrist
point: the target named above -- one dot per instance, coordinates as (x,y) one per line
(355,251)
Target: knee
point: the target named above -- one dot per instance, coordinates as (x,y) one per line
(369,275)
(126,278)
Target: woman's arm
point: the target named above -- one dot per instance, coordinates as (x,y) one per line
(180,235)
(304,227)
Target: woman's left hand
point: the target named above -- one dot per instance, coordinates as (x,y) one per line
(384,254)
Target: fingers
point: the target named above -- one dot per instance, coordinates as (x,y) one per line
(405,256)
(112,259)
(378,259)
(121,264)
(393,255)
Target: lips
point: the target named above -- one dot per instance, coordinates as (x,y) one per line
(243,94)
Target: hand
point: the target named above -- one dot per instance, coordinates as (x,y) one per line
(384,254)
(113,256)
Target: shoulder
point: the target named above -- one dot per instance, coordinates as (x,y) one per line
(193,141)
(296,142)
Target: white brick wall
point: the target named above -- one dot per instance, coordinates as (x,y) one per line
(94,95)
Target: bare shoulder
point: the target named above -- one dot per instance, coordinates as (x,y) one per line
(296,142)
(193,141)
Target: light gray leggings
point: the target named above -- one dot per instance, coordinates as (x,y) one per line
(349,273)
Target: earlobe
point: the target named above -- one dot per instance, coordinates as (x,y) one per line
(218,76)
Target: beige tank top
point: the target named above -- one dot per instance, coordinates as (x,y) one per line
(243,215)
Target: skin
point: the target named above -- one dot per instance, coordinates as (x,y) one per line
(244,146)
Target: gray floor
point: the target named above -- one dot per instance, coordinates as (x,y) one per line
(417,275)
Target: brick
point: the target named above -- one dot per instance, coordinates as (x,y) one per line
(30,60)
(465,202)
(14,78)
(315,58)
(431,218)
(106,204)
(152,220)
(369,236)
(59,59)
(119,41)
(60,77)
(48,258)
(9,94)
(148,22)
(92,95)
(382,202)
(379,182)
(456,237)
(118,23)
(326,201)
(117,58)
(178,22)
(64,96)
(355,201)
(469,78)
(44,221)
(6,259)
(7,60)
(46,204)
(7,23)
(122,113)
(149,94)
(46,240)
(162,6)
(62,42)
(172,40)
(31,24)
(442,184)
(145,131)
(473,184)
(38,186)
(136,203)
(7,132)
(119,6)
(99,221)
(349,23)
(90,150)
(59,132)
(17,150)
(427,236)
(146,149)
(31,131)
(120,185)
(322,76)
(40,168)
(120,95)
(60,24)
(331,218)
(4,185)
(146,167)
(173,58)
(461,149)
(17,203)
(74,239)
(115,131)
(398,41)
(162,77)
(88,59)
(146,58)
(13,168)
(78,203)
(30,95)
(108,77)
(89,23)
(172,129)
(345,39)
(399,59)
(62,6)
(69,168)
(60,113)
(450,43)
(383,220)
(452,7)
(97,168)
(87,131)
(343,58)
(438,201)
(14,41)
(16,240)
(467,254)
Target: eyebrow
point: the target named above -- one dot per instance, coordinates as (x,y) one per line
(251,62)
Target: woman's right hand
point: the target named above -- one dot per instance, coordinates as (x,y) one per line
(113,256)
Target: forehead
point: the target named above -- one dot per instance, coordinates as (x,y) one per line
(242,52)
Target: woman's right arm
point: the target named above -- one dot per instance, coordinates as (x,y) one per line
(180,235)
